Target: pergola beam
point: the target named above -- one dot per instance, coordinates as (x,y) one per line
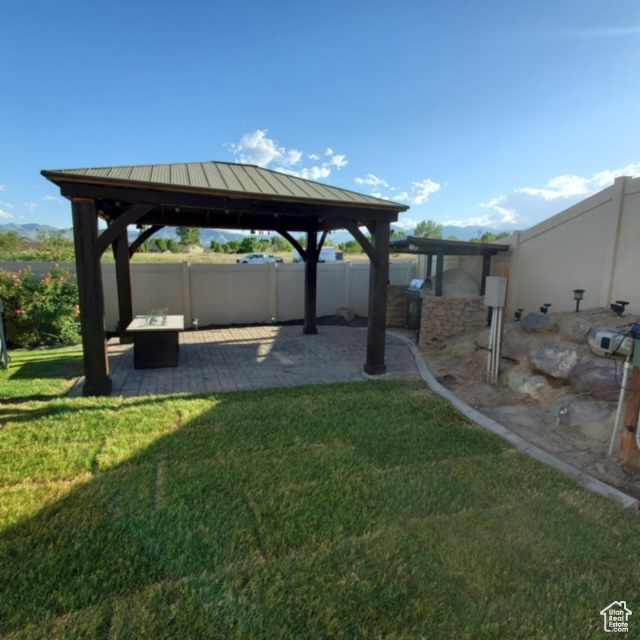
(143,237)
(378,283)
(89,274)
(311,284)
(210,202)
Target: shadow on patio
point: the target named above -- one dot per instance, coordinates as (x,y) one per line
(233,359)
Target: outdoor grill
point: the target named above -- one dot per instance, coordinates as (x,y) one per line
(414,304)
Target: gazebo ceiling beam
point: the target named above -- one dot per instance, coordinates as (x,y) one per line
(363,241)
(208,202)
(143,237)
(130,216)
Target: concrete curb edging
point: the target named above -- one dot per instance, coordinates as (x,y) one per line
(589,482)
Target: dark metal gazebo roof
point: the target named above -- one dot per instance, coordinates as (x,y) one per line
(213,195)
(440,248)
(434,246)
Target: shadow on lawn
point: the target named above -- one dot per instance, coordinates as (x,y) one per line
(48,367)
(197,517)
(119,532)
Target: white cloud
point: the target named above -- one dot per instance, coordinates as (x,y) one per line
(8,205)
(407,224)
(31,206)
(256,148)
(527,206)
(5,214)
(420,192)
(339,161)
(53,199)
(308,173)
(3,187)
(377,194)
(568,186)
(373,181)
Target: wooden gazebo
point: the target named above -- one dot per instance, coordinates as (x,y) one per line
(221,196)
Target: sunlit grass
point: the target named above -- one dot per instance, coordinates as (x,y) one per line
(363,510)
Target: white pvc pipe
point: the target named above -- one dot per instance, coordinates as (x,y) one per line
(496,348)
(621,397)
(491,346)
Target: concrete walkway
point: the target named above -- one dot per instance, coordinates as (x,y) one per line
(232,359)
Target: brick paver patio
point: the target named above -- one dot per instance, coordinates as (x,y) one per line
(231,359)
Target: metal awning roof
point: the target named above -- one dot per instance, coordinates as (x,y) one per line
(435,246)
(223,179)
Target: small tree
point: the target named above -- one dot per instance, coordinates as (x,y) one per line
(172,246)
(249,244)
(489,236)
(278,243)
(215,246)
(161,243)
(188,235)
(54,248)
(233,246)
(9,243)
(428,229)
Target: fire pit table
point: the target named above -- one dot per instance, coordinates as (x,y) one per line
(155,340)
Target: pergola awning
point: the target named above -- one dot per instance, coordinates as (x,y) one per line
(441,248)
(215,195)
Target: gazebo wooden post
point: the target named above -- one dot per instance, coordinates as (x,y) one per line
(439,272)
(378,284)
(486,271)
(123,282)
(89,274)
(310,284)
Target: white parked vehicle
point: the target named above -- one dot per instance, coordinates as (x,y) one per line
(257,258)
(327,254)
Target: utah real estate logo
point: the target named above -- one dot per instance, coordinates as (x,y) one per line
(616,617)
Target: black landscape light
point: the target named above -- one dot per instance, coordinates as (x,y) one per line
(545,307)
(618,307)
(578,294)
(517,314)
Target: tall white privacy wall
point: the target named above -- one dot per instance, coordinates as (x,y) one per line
(594,245)
(238,293)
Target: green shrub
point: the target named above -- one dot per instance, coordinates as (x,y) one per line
(40,311)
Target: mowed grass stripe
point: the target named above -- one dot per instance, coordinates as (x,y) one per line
(359,510)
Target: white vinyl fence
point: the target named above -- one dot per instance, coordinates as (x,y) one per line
(237,293)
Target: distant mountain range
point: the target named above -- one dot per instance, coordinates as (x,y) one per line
(31,231)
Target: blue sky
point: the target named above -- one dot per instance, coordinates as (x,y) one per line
(481,113)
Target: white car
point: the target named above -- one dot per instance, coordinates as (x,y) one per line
(256,258)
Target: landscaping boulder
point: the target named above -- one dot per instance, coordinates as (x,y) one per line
(532,385)
(593,417)
(577,331)
(538,323)
(556,358)
(516,350)
(582,409)
(600,379)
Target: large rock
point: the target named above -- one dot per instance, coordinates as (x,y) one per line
(582,409)
(518,351)
(538,323)
(601,379)
(534,386)
(594,418)
(576,331)
(556,358)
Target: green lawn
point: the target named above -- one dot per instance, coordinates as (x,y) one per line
(364,510)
